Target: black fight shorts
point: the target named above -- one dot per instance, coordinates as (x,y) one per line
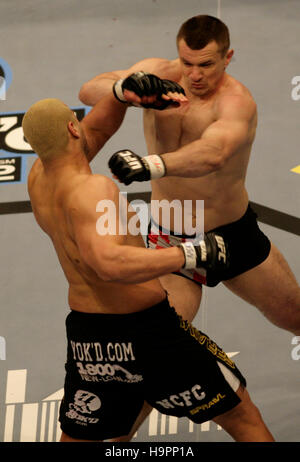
(247,245)
(116,361)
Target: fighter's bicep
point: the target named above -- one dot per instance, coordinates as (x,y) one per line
(234,125)
(227,135)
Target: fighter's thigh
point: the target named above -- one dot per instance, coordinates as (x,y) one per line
(272,288)
(184,295)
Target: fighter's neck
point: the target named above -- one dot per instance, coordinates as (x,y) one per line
(222,84)
(67,163)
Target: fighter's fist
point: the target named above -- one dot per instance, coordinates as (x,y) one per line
(163,93)
(211,253)
(128,167)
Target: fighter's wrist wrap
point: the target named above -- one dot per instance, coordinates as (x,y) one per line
(190,257)
(194,256)
(156,166)
(118,91)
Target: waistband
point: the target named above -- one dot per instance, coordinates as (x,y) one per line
(155,312)
(249,215)
(153,226)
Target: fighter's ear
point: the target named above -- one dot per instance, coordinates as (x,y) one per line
(228,57)
(73,129)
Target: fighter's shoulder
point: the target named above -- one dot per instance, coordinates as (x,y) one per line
(82,203)
(236,98)
(34,172)
(90,189)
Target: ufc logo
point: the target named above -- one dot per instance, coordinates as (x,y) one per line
(222,248)
(296,90)
(132,161)
(296,350)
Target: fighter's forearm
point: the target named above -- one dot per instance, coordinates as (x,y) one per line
(130,265)
(195,159)
(107,115)
(102,122)
(93,90)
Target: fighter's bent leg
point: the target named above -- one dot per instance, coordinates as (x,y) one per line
(184,295)
(273,289)
(244,422)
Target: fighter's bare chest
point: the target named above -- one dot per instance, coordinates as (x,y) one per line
(181,125)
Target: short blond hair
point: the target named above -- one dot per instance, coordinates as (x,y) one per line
(45,127)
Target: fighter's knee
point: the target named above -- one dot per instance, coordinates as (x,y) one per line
(245,412)
(289,323)
(246,409)
(244,422)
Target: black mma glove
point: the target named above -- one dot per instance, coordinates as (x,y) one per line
(211,253)
(143,84)
(128,167)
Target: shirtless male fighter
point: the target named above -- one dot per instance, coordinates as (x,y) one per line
(201,150)
(126,344)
